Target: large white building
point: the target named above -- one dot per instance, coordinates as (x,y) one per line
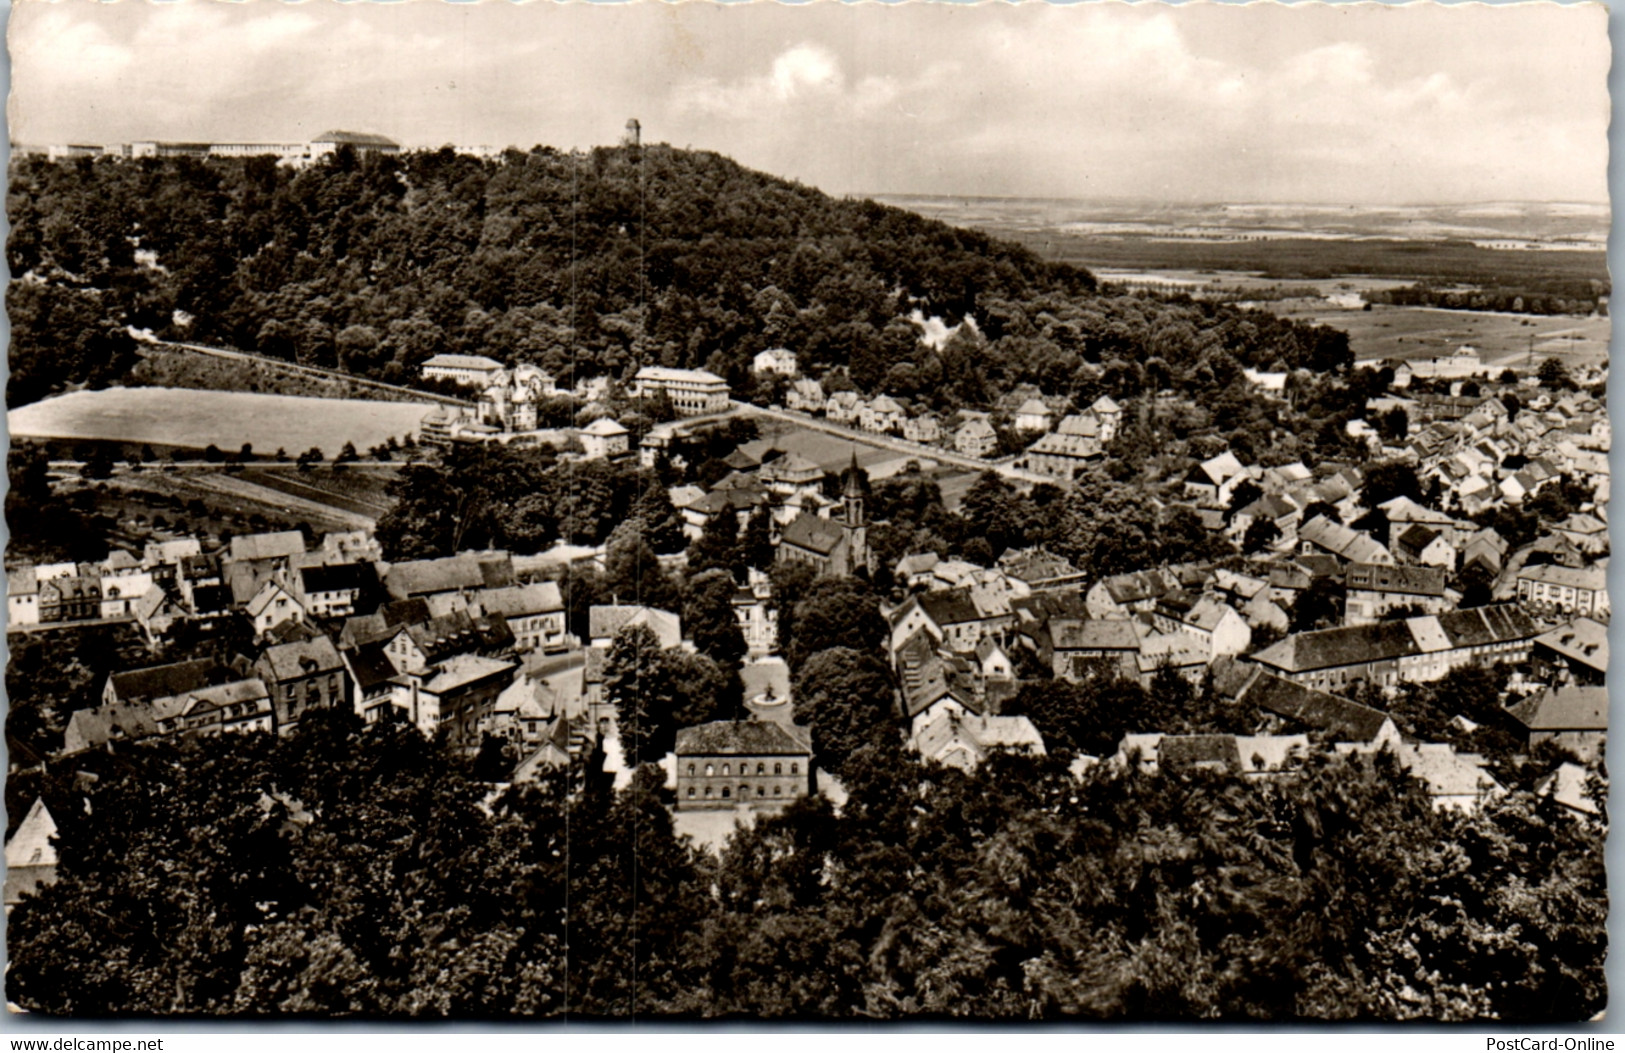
(464,369)
(362,142)
(692,391)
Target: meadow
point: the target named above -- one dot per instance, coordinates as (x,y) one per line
(227,419)
(834,454)
(1423,332)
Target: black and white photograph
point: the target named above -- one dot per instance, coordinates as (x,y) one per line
(820,513)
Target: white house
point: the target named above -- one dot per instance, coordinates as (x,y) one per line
(1033,415)
(776,360)
(272,605)
(604,439)
(976,438)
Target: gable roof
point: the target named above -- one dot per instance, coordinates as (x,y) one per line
(934,679)
(950,606)
(741,737)
(30,843)
(1138,586)
(974,737)
(1338,717)
(813,534)
(1416,539)
(267,594)
(1345,542)
(462,670)
(1083,425)
(293,661)
(90,728)
(1096,634)
(1593,578)
(283,544)
(333,577)
(217,697)
(160,681)
(1570,708)
(466,570)
(1216,471)
(605,621)
(370,666)
(455,633)
(518,601)
(1582,640)
(1381,641)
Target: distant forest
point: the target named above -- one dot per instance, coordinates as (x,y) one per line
(586,264)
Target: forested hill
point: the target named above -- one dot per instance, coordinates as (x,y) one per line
(599,261)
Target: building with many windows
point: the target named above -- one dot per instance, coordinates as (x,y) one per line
(464,369)
(755,763)
(691,391)
(1415,650)
(1572,590)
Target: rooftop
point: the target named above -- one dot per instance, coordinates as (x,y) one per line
(742,737)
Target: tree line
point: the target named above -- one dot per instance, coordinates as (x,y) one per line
(361,871)
(586,264)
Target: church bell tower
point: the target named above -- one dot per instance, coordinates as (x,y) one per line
(856,524)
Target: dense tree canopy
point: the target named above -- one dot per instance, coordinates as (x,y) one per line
(585,264)
(354,872)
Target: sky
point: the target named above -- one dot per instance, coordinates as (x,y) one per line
(1322,103)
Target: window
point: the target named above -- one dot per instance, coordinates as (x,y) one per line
(761,791)
(726,770)
(708,791)
(744,791)
(710,769)
(691,791)
(690,767)
(761,769)
(725,791)
(795,769)
(778,769)
(776,791)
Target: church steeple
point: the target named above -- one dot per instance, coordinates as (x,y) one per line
(854,488)
(853,492)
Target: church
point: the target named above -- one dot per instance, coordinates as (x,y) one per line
(837,547)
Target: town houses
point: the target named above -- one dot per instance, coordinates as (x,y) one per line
(1308,602)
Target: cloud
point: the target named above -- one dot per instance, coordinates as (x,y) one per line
(805,69)
(1324,102)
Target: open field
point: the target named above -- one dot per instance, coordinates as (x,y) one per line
(1317,258)
(830,452)
(834,454)
(227,419)
(1423,332)
(1511,243)
(174,367)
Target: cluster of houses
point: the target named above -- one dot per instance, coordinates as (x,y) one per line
(463,648)
(1066,441)
(478,645)
(267,577)
(505,408)
(960,640)
(958,637)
